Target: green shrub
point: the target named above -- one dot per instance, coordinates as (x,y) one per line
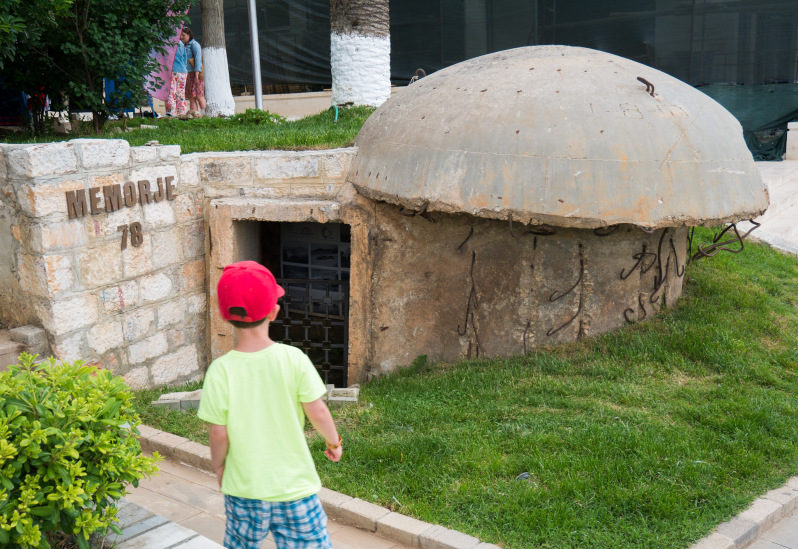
(68,448)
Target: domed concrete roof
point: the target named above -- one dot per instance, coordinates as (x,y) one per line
(559,135)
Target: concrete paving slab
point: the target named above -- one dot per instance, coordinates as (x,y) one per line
(164,536)
(785,533)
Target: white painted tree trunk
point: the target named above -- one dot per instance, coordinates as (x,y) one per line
(360,52)
(361,69)
(218,97)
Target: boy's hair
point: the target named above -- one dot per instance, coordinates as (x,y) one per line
(245,325)
(247,293)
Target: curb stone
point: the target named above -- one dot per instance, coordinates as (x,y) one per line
(345,509)
(742,530)
(736,533)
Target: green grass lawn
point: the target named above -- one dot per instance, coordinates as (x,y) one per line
(252,130)
(647,437)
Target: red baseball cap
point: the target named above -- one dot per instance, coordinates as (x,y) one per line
(247,291)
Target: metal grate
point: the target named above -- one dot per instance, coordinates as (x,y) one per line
(314,317)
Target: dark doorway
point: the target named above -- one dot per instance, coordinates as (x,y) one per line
(311,261)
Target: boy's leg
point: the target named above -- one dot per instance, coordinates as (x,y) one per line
(300,524)
(248,522)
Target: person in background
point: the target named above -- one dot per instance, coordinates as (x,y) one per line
(177,105)
(195,81)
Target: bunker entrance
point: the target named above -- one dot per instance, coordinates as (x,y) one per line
(311,262)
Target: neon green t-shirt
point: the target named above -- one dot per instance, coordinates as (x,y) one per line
(259,397)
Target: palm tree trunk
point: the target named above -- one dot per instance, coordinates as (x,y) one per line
(218,96)
(360,52)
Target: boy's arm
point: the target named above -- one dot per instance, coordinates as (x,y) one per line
(319,415)
(217,435)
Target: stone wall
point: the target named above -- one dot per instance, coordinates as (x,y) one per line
(107,254)
(137,306)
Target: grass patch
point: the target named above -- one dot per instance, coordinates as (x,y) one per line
(184,424)
(646,437)
(252,130)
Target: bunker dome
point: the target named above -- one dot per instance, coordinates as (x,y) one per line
(538,195)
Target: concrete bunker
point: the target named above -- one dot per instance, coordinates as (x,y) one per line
(537,196)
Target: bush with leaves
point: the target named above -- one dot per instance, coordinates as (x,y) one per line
(68,448)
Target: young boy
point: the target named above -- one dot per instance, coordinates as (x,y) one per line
(254,398)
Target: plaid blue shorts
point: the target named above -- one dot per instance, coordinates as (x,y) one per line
(300,524)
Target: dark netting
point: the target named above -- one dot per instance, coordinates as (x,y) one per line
(763,110)
(749,45)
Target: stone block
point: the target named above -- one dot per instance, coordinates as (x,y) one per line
(361,514)
(439,537)
(189,171)
(762,511)
(169,152)
(193,276)
(167,248)
(231,171)
(187,208)
(46,237)
(142,154)
(714,541)
(165,443)
(332,501)
(30,336)
(165,403)
(137,261)
(70,347)
(740,531)
(337,402)
(193,240)
(45,276)
(137,378)
(102,153)
(116,178)
(105,336)
(137,324)
(40,199)
(175,366)
(785,497)
(189,404)
(41,160)
(194,454)
(159,214)
(182,395)
(404,529)
(336,162)
(100,266)
(121,297)
(280,165)
(152,173)
(196,304)
(155,287)
(345,392)
(146,349)
(71,314)
(110,226)
(171,313)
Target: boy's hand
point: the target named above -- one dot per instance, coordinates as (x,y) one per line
(219,475)
(334,454)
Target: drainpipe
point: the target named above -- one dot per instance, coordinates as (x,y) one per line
(253,33)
